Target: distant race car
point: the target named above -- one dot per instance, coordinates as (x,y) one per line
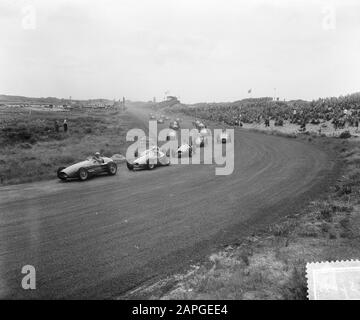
(205,132)
(174,125)
(149,159)
(171,135)
(200,126)
(93,165)
(201,141)
(184,150)
(161,120)
(152,117)
(224,137)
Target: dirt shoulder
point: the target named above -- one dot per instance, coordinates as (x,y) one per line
(270,264)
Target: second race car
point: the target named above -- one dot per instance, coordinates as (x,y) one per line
(149,159)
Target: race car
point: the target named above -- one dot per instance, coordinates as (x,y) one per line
(184,150)
(200,126)
(205,132)
(92,166)
(171,135)
(152,117)
(160,120)
(174,125)
(149,159)
(201,141)
(224,137)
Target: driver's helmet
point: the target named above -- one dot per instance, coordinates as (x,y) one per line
(97,154)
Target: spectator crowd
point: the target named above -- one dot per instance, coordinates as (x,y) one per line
(343,111)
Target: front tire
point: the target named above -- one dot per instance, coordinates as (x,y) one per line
(83,174)
(130,166)
(58,173)
(112,168)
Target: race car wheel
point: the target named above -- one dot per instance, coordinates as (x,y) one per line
(62,177)
(129,166)
(150,166)
(83,174)
(112,168)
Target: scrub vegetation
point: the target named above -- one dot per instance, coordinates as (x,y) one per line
(32,149)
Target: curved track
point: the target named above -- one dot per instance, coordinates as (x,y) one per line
(100,238)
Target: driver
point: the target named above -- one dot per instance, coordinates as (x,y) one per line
(97,157)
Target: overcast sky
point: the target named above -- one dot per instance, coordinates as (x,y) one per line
(200,50)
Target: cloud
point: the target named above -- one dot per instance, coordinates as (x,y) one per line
(205,50)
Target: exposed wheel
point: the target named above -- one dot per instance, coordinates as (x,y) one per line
(129,166)
(60,176)
(150,166)
(112,168)
(83,174)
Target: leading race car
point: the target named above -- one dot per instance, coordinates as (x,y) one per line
(149,159)
(93,165)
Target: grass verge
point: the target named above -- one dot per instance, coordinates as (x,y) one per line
(31,149)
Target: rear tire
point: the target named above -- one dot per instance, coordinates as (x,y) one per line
(150,166)
(112,168)
(83,174)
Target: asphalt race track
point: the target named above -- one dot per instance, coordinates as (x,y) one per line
(105,236)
